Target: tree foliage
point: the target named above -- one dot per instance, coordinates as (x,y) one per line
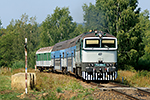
(57,27)
(12,44)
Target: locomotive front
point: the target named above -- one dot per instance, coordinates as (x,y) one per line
(99,57)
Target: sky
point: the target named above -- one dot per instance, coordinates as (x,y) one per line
(13,9)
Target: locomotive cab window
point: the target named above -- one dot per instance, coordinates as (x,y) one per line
(92,43)
(108,43)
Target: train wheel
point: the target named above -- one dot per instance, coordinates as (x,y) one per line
(76,73)
(65,71)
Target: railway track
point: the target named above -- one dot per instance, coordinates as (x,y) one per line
(131,93)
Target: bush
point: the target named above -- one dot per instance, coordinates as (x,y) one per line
(129,68)
(143,73)
(143,64)
(18,64)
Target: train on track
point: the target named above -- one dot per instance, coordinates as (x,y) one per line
(91,55)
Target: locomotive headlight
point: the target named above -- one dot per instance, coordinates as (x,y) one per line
(107,65)
(96,33)
(91,64)
(100,35)
(111,65)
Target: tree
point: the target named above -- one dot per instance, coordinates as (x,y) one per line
(91,16)
(144,61)
(6,53)
(78,30)
(12,44)
(57,27)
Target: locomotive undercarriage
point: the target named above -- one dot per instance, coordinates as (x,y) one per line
(99,73)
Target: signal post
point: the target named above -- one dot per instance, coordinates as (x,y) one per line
(25,45)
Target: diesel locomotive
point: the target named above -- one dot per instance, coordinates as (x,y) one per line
(91,55)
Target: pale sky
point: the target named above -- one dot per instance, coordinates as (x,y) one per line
(13,9)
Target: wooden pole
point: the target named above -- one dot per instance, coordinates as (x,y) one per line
(25,65)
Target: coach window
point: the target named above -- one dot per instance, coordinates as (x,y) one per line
(39,57)
(47,56)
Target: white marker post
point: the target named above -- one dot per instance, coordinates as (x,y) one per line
(25,45)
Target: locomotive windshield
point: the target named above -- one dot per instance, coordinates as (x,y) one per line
(100,43)
(108,43)
(92,43)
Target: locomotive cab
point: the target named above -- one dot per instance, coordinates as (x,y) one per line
(99,58)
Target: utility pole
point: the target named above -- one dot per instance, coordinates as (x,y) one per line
(25,45)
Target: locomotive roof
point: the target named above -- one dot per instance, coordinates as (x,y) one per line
(72,42)
(45,50)
(92,34)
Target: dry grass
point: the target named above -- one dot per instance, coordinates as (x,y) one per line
(56,82)
(62,86)
(135,79)
(9,71)
(58,86)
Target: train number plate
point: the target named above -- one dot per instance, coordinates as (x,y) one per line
(100,65)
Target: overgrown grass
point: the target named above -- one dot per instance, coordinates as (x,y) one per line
(51,86)
(62,86)
(134,78)
(56,86)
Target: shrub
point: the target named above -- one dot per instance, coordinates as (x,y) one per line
(18,64)
(143,73)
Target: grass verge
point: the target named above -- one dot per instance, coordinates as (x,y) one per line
(61,86)
(134,78)
(51,86)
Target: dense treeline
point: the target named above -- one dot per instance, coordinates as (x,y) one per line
(122,18)
(55,28)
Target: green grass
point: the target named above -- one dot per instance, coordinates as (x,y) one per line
(5,83)
(5,89)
